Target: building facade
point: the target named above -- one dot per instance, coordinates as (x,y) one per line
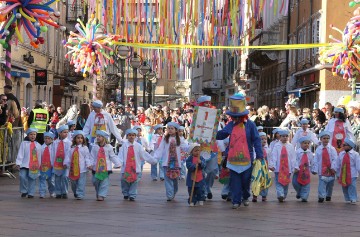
(310,23)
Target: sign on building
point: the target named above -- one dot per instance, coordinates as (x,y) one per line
(40,77)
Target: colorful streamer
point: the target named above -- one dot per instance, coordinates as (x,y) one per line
(32,15)
(90,49)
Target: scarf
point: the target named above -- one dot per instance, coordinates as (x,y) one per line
(59,159)
(46,163)
(238,147)
(173,169)
(338,135)
(345,171)
(326,164)
(99,124)
(198,176)
(33,162)
(304,170)
(101,168)
(130,175)
(284,177)
(74,173)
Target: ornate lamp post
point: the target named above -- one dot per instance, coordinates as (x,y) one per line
(151,76)
(144,70)
(135,63)
(122,53)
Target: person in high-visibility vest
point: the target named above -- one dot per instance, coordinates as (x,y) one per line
(39,118)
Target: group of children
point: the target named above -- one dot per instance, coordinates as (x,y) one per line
(67,159)
(61,161)
(296,158)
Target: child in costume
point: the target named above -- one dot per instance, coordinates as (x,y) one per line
(282,162)
(304,131)
(276,138)
(103,156)
(266,153)
(347,169)
(78,160)
(47,162)
(195,177)
(182,136)
(28,160)
(169,152)
(72,125)
(303,162)
(61,147)
(143,142)
(154,145)
(325,156)
(131,155)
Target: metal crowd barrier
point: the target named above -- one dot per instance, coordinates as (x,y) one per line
(9,147)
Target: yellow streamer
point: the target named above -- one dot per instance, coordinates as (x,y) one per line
(30,18)
(258,47)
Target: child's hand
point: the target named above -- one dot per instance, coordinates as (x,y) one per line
(65,166)
(199,161)
(17,167)
(272,169)
(314,173)
(296,170)
(90,167)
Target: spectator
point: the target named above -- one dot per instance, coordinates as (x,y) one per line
(13,114)
(356,126)
(291,119)
(124,119)
(39,119)
(10,96)
(82,117)
(3,109)
(59,113)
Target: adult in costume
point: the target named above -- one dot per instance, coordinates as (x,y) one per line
(339,128)
(99,119)
(244,140)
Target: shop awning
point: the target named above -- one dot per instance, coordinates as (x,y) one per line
(16,71)
(297,92)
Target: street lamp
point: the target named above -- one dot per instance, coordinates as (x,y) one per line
(151,76)
(144,70)
(122,53)
(135,63)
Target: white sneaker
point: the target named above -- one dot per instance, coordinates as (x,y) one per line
(53,195)
(201,203)
(353,202)
(246,203)
(191,204)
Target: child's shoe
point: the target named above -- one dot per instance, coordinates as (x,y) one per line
(281,199)
(321,200)
(201,203)
(254,199)
(192,204)
(264,199)
(328,199)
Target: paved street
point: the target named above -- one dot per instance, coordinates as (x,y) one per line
(151,215)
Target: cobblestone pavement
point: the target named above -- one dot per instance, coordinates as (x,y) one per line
(151,215)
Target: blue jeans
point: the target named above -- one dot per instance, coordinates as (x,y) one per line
(61,184)
(27,184)
(281,190)
(209,181)
(226,190)
(301,190)
(171,187)
(154,171)
(101,186)
(78,186)
(50,181)
(197,196)
(349,192)
(240,185)
(325,187)
(264,192)
(142,167)
(129,189)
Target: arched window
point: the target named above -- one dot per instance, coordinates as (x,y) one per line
(44,94)
(18,90)
(28,96)
(50,96)
(38,93)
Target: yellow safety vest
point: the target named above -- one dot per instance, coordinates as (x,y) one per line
(40,120)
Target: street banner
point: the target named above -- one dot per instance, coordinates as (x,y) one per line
(204,125)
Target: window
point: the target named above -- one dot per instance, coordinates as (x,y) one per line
(28,96)
(315,35)
(44,94)
(50,96)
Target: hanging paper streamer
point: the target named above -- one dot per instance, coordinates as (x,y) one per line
(90,49)
(343,54)
(32,15)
